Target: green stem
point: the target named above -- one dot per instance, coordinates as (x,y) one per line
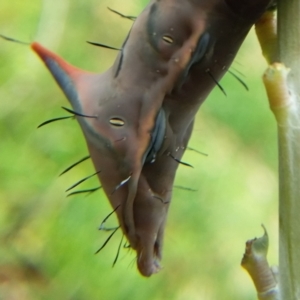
(286,110)
(289,204)
(289,152)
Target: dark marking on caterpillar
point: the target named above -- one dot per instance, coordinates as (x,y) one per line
(197,56)
(159,198)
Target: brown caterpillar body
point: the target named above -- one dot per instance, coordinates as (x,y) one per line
(141,111)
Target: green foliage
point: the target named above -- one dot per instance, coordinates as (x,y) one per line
(47,241)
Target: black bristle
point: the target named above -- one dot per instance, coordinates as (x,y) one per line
(74,165)
(103,46)
(13,40)
(216,82)
(107,240)
(179,161)
(81,181)
(88,191)
(184,188)
(101,227)
(118,252)
(239,80)
(54,120)
(77,113)
(197,151)
(131,18)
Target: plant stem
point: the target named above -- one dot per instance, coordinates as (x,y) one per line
(255,263)
(288,118)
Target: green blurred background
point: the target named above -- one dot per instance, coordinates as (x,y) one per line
(47,241)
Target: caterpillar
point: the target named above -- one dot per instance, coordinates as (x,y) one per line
(137,117)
